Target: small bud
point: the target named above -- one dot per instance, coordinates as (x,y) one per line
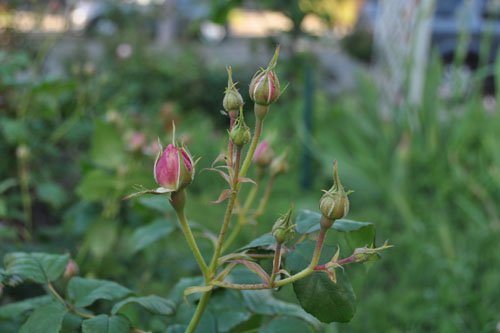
(367,254)
(334,204)
(263,154)
(232,99)
(174,168)
(265,86)
(240,133)
(23,152)
(137,141)
(283,229)
(71,269)
(279,165)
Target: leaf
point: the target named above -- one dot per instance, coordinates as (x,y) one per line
(246,180)
(317,294)
(52,194)
(72,323)
(145,236)
(106,324)
(228,308)
(101,237)
(262,302)
(96,185)
(14,310)
(185,313)
(358,234)
(223,196)
(177,292)
(255,268)
(266,241)
(154,304)
(287,324)
(159,203)
(46,319)
(197,290)
(222,173)
(84,292)
(37,267)
(107,149)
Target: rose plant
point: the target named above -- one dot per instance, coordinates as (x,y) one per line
(241,280)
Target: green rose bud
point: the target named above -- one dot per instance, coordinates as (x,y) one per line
(240,133)
(283,229)
(232,99)
(334,204)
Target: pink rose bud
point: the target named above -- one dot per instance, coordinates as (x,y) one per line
(263,154)
(137,141)
(265,86)
(174,169)
(71,269)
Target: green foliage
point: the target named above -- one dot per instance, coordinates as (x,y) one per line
(106,324)
(326,300)
(46,318)
(84,292)
(37,267)
(152,303)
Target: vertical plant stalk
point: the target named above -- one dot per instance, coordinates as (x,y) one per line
(190,238)
(238,173)
(26,198)
(276,264)
(232,118)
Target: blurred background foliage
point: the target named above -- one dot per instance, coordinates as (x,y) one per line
(81,110)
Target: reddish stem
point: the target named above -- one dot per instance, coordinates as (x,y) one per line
(344,261)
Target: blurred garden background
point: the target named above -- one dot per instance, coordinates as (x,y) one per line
(401,93)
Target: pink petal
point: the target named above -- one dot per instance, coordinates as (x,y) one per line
(187,160)
(261,148)
(167,169)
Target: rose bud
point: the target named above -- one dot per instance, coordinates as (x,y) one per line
(174,168)
(265,86)
(240,133)
(334,204)
(137,141)
(283,229)
(279,165)
(263,154)
(232,99)
(71,269)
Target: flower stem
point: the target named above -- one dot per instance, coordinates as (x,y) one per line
(276,264)
(200,308)
(191,241)
(253,146)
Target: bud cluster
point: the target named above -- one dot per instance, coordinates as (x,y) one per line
(334,204)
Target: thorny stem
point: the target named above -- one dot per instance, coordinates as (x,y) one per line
(305,272)
(232,118)
(192,242)
(276,264)
(344,261)
(238,173)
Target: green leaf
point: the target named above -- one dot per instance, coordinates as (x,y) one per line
(84,292)
(37,267)
(287,324)
(185,313)
(177,292)
(106,324)
(228,308)
(154,304)
(317,294)
(156,202)
(72,323)
(46,319)
(107,148)
(262,302)
(358,234)
(265,241)
(96,185)
(52,194)
(14,310)
(145,236)
(101,237)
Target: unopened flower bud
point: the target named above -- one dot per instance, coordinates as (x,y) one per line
(71,269)
(232,99)
(23,152)
(334,204)
(279,165)
(137,141)
(263,154)
(174,168)
(283,229)
(265,86)
(240,133)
